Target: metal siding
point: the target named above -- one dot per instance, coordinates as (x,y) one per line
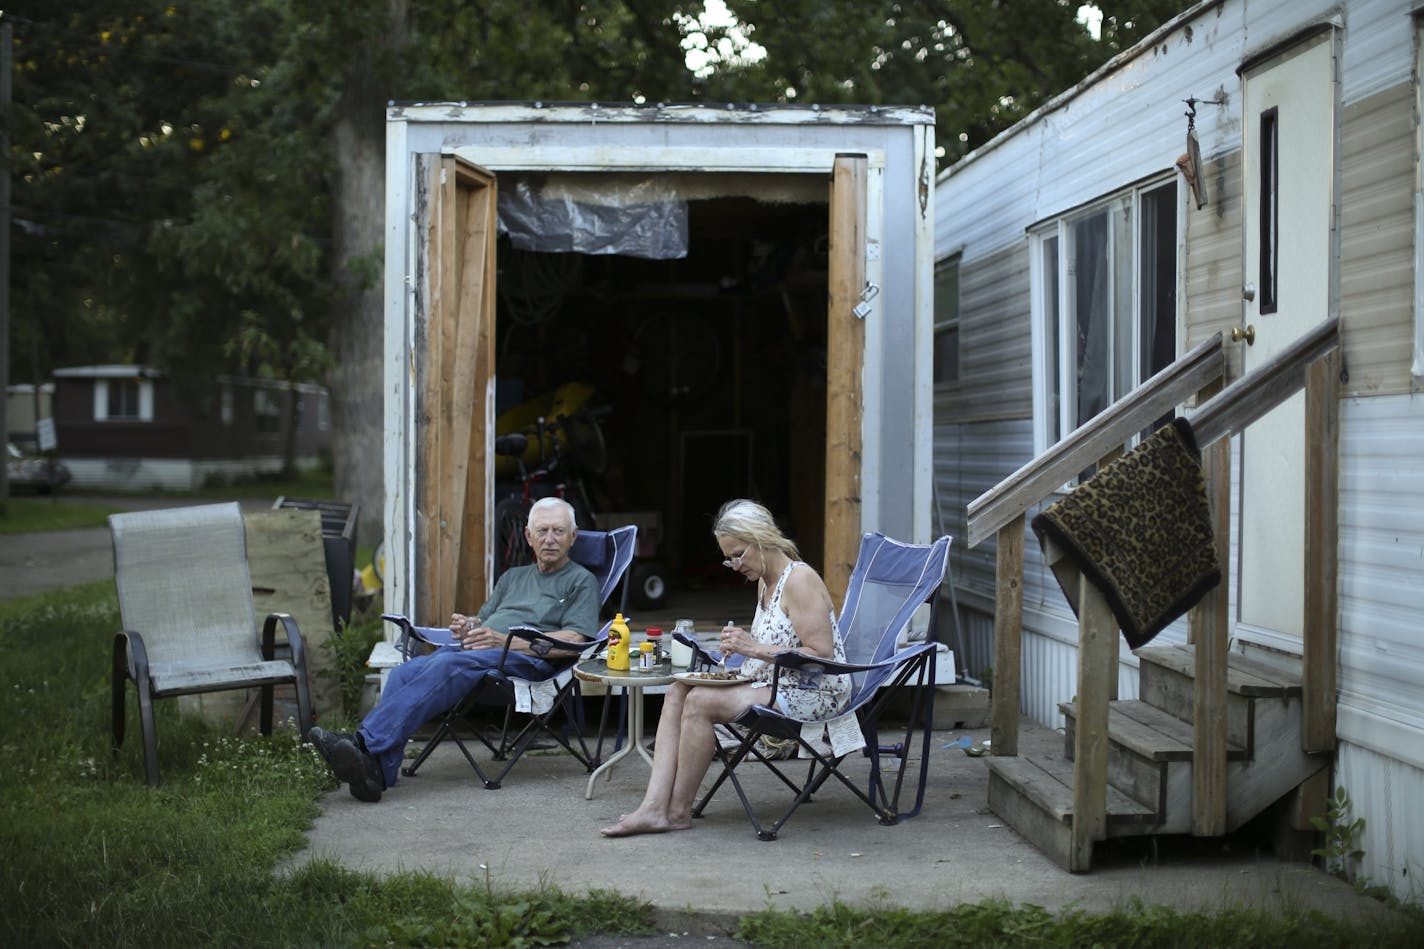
(1122,128)
(1382,558)
(1377,168)
(1213,279)
(1378,46)
(1127,123)
(1386,793)
(996,378)
(970,459)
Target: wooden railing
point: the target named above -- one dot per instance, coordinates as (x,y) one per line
(1312,364)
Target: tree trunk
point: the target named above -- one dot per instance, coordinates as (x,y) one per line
(289,431)
(358,325)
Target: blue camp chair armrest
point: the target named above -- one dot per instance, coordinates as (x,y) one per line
(542,644)
(432,635)
(704,658)
(792,659)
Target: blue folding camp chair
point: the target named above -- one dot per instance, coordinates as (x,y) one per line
(607,555)
(890,582)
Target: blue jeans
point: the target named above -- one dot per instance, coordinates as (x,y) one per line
(422,688)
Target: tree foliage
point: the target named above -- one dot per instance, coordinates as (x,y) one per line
(185,173)
(168,207)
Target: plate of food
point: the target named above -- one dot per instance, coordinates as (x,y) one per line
(710,678)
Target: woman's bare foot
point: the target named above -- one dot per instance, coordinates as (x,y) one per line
(635,823)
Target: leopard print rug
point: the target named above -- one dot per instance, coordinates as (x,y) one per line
(1140,530)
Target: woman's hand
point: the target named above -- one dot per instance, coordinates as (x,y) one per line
(736,640)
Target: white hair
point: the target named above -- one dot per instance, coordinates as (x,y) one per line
(544,504)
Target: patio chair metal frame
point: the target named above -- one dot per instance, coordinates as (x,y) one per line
(608,555)
(885,668)
(185,598)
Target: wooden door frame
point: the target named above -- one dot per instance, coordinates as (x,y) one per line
(453,361)
(845,333)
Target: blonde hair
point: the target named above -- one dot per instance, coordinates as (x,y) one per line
(751,522)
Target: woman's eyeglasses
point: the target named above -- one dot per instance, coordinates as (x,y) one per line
(736,562)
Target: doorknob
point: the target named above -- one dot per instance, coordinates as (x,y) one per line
(1248,334)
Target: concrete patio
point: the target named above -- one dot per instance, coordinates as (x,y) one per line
(539,829)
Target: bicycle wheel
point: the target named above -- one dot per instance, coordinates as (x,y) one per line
(510,547)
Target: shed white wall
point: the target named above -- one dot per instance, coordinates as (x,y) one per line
(898,410)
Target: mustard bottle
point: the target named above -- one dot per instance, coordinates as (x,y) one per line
(618,641)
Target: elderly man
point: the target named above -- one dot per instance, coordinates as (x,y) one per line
(553,594)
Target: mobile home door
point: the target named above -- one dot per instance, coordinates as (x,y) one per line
(1288,120)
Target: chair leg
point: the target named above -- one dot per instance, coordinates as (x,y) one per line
(150,736)
(267,698)
(441,731)
(304,706)
(119,710)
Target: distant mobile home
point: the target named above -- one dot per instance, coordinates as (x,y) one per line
(746,288)
(1089,246)
(128,428)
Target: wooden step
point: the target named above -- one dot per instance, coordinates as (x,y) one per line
(1245,675)
(1034,796)
(1143,744)
(1165,680)
(1148,731)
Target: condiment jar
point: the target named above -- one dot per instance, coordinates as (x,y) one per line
(618,643)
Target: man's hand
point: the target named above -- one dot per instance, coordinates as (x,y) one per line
(470,633)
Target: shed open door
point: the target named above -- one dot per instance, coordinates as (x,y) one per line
(454,392)
(845,358)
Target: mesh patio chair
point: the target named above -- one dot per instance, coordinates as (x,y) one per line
(891,580)
(185,598)
(605,554)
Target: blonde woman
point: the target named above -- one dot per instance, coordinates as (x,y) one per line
(794,611)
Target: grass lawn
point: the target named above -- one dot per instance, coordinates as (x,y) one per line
(26,514)
(30,513)
(93,857)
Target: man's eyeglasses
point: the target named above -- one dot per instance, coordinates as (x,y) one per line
(558,533)
(736,562)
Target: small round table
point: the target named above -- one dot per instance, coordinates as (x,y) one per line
(596,670)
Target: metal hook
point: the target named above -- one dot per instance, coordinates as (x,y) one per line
(870,292)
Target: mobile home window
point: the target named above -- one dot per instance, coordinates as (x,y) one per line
(123,400)
(1105,305)
(946,331)
(268,411)
(1270,209)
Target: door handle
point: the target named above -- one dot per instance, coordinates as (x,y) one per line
(1248,333)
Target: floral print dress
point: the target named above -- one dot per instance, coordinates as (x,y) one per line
(811,697)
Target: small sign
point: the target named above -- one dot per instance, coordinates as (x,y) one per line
(44,429)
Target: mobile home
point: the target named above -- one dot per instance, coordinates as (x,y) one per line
(132,428)
(1244,177)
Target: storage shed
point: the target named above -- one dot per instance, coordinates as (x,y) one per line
(747,289)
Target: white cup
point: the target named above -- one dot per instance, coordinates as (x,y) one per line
(680,654)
